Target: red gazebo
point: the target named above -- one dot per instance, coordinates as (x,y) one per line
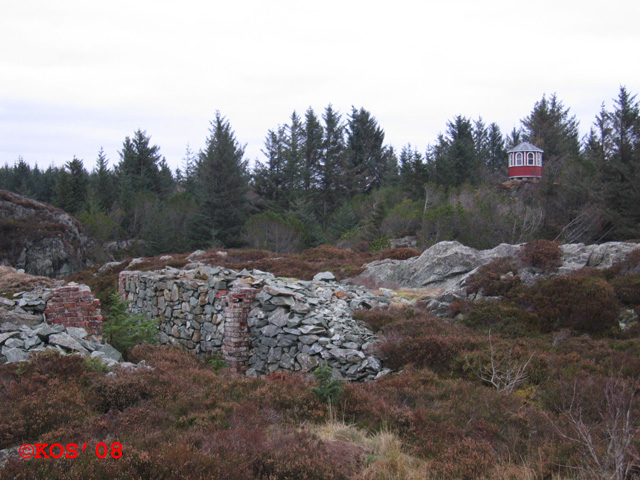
(525,162)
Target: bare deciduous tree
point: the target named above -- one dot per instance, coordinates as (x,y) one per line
(608,443)
(504,373)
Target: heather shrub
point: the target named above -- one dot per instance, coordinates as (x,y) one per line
(165,357)
(327,252)
(296,456)
(502,317)
(122,390)
(289,394)
(494,278)
(628,289)
(436,352)
(398,253)
(583,304)
(541,254)
(42,395)
(468,459)
(380,318)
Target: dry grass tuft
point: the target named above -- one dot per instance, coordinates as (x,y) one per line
(11,280)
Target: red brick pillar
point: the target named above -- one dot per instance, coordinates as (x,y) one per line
(235,344)
(74,306)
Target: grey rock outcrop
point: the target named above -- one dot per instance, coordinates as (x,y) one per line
(445,267)
(442,266)
(44,240)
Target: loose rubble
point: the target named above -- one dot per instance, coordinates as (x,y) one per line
(293,325)
(18,343)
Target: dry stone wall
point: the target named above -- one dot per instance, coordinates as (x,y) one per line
(290,324)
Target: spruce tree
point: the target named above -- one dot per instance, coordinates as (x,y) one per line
(551,128)
(331,167)
(614,145)
(222,185)
(456,160)
(293,159)
(269,177)
(413,172)
(313,133)
(139,162)
(367,164)
(72,187)
(102,183)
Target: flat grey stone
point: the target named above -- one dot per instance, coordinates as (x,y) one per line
(6,336)
(32,342)
(109,352)
(312,329)
(324,277)
(8,327)
(77,332)
(279,317)
(14,343)
(67,341)
(276,291)
(15,355)
(284,300)
(308,339)
(270,330)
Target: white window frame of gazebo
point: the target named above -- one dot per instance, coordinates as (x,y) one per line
(531,159)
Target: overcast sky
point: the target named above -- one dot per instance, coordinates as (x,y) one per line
(77,75)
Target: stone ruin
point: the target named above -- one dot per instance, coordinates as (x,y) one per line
(60,317)
(257,322)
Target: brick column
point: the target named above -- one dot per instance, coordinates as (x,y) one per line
(235,344)
(74,306)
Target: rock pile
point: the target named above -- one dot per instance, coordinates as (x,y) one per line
(18,343)
(293,325)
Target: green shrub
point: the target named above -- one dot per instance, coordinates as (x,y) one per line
(124,331)
(381,243)
(542,254)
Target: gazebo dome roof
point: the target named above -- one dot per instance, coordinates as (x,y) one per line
(525,147)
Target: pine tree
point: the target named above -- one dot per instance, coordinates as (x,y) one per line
(166,182)
(551,128)
(139,162)
(189,165)
(269,178)
(413,172)
(455,157)
(489,146)
(222,184)
(313,134)
(103,183)
(293,159)
(614,145)
(72,187)
(367,163)
(331,167)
